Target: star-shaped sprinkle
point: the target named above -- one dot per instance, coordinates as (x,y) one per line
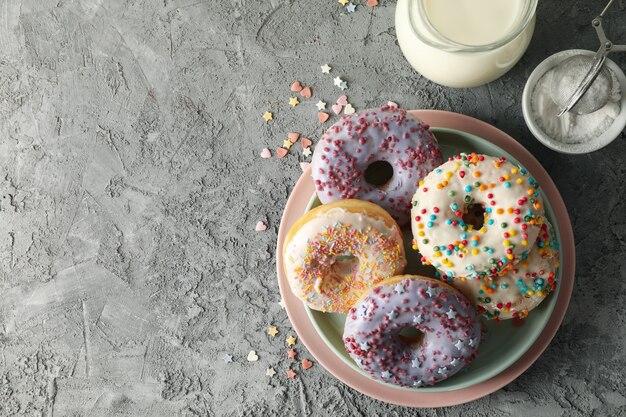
(287,144)
(419,319)
(272,331)
(321,105)
(306,152)
(293,101)
(418,383)
(343,2)
(451,314)
(358,361)
(391,315)
(337,81)
(364,346)
(270,372)
(326,68)
(228,358)
(267,116)
(386,374)
(351,8)
(471,342)
(291,340)
(430,291)
(454,362)
(399,288)
(291,354)
(343,85)
(415,363)
(291,374)
(459,345)
(442,370)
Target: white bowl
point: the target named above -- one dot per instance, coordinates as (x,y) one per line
(572,148)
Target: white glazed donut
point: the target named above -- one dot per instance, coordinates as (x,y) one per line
(512,219)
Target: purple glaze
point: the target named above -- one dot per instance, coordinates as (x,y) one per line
(449,323)
(353,143)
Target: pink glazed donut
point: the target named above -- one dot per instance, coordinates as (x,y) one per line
(447,322)
(389,136)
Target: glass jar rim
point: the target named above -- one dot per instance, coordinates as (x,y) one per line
(444,43)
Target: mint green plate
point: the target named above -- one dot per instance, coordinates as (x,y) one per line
(504,343)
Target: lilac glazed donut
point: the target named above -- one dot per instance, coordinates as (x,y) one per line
(447,322)
(388,140)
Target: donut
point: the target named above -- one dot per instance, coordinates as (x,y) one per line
(519,288)
(513,214)
(338,250)
(386,138)
(447,322)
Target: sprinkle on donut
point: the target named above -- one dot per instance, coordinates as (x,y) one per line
(386,135)
(513,214)
(446,321)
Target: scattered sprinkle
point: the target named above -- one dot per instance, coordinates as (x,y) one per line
(291,341)
(228,358)
(337,81)
(349,109)
(306,152)
(287,144)
(343,85)
(252,356)
(306,142)
(293,101)
(293,136)
(265,153)
(326,69)
(343,100)
(272,331)
(306,92)
(260,226)
(337,108)
(351,8)
(343,2)
(267,116)
(372,3)
(306,364)
(291,374)
(281,152)
(321,105)
(322,117)
(270,372)
(296,87)
(291,354)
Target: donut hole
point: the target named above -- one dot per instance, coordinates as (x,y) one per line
(411,337)
(343,266)
(474,214)
(378,174)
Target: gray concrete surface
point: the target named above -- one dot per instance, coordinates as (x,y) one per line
(130,186)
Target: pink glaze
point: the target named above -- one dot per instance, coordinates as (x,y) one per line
(353,143)
(447,320)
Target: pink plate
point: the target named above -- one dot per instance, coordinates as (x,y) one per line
(296,206)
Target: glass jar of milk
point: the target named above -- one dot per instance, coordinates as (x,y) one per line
(464,43)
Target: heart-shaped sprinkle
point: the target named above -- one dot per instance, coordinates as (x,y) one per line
(281,152)
(337,108)
(306,142)
(323,117)
(349,109)
(252,356)
(343,100)
(293,137)
(265,153)
(304,166)
(392,104)
(260,226)
(306,364)
(306,92)
(372,3)
(296,87)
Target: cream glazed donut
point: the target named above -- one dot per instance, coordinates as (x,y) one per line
(513,214)
(447,321)
(520,287)
(338,250)
(389,136)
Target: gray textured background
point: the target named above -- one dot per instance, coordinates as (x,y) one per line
(130,186)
